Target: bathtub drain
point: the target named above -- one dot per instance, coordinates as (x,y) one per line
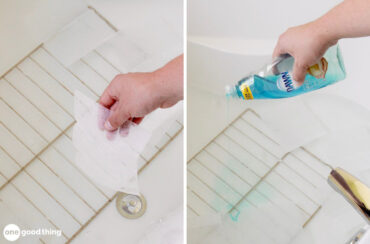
(130,206)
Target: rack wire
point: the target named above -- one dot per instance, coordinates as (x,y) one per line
(243,169)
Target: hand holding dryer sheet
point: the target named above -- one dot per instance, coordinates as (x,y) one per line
(108,158)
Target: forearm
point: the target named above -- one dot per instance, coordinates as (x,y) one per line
(350,18)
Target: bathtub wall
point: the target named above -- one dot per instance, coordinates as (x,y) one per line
(251,19)
(25,24)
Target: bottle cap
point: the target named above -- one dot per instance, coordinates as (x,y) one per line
(230,91)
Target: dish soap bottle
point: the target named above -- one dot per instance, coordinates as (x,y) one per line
(275,80)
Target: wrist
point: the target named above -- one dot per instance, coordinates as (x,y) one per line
(159,89)
(168,83)
(324,32)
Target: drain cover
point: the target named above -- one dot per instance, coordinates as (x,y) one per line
(130,206)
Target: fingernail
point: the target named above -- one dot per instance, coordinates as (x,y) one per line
(123,132)
(110,135)
(297,84)
(108,126)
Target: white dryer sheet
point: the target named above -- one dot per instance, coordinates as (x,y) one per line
(109,159)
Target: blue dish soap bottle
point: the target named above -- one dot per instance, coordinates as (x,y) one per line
(275,80)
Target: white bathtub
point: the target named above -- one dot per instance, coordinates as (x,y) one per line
(226,41)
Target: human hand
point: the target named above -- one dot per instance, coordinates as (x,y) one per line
(307,44)
(132,96)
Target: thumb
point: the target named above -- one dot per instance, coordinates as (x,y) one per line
(116,118)
(277,51)
(299,73)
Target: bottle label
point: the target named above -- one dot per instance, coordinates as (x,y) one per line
(246,91)
(285,80)
(319,70)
